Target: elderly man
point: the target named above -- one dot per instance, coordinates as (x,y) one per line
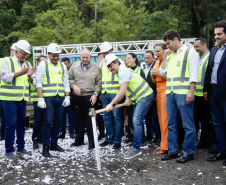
(38,112)
(53,95)
(16,75)
(67,111)
(85,80)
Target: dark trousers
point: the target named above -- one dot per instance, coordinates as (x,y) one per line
(38,123)
(14,112)
(218,113)
(99,118)
(202,114)
(2,124)
(52,116)
(67,111)
(80,106)
(152,121)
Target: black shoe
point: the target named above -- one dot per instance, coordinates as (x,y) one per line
(201,145)
(170,156)
(224,163)
(185,158)
(213,149)
(128,135)
(156,140)
(56,148)
(149,137)
(105,143)
(45,152)
(91,146)
(75,144)
(116,146)
(217,157)
(129,139)
(61,136)
(72,136)
(101,136)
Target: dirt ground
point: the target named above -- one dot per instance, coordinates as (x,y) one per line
(78,166)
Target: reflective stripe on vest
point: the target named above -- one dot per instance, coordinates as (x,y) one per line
(185,85)
(19,92)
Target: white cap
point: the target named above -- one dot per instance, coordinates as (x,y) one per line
(110,58)
(53,48)
(24,45)
(13,46)
(105,46)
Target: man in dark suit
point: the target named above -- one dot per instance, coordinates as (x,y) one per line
(215,89)
(152,122)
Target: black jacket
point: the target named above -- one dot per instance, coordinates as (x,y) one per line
(150,82)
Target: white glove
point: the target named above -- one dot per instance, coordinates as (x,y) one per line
(66,102)
(41,103)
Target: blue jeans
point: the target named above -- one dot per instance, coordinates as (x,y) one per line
(2,125)
(67,110)
(113,120)
(38,123)
(176,104)
(218,112)
(52,116)
(15,119)
(140,111)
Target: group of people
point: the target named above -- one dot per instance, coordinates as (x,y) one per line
(181,90)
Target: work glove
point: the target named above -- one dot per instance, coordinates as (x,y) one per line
(66,102)
(41,103)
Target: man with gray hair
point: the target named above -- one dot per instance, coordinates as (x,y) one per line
(85,80)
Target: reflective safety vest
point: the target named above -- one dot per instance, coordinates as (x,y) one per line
(33,94)
(1,60)
(178,74)
(110,82)
(53,82)
(19,88)
(138,70)
(202,71)
(137,86)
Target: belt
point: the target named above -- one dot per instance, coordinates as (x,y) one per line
(214,86)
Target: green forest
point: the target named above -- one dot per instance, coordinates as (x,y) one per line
(41,22)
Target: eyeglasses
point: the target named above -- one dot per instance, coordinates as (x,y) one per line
(24,54)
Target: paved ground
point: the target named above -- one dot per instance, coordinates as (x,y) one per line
(78,166)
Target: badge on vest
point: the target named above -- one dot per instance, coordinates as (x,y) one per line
(178,63)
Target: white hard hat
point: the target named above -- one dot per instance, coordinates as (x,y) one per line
(24,45)
(13,46)
(105,46)
(53,48)
(110,58)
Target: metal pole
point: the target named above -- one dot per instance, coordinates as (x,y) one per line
(96,142)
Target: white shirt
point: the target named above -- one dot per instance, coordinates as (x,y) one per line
(40,75)
(193,64)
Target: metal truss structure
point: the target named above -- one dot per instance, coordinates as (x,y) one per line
(129,46)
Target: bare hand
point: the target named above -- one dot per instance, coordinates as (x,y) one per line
(205,96)
(128,102)
(77,90)
(32,71)
(25,70)
(93,99)
(155,72)
(167,52)
(190,97)
(109,107)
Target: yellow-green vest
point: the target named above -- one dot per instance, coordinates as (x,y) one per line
(110,82)
(1,60)
(19,88)
(137,86)
(178,74)
(202,71)
(33,94)
(53,82)
(138,70)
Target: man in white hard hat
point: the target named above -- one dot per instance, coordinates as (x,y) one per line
(12,51)
(53,95)
(110,87)
(15,75)
(137,90)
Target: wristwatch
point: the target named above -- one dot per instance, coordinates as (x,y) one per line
(95,94)
(113,104)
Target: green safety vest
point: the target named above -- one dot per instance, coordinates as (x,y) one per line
(202,70)
(178,74)
(53,82)
(110,82)
(19,88)
(137,70)
(33,94)
(137,86)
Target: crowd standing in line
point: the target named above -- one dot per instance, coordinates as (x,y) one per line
(181,85)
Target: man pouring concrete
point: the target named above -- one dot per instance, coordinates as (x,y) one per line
(136,90)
